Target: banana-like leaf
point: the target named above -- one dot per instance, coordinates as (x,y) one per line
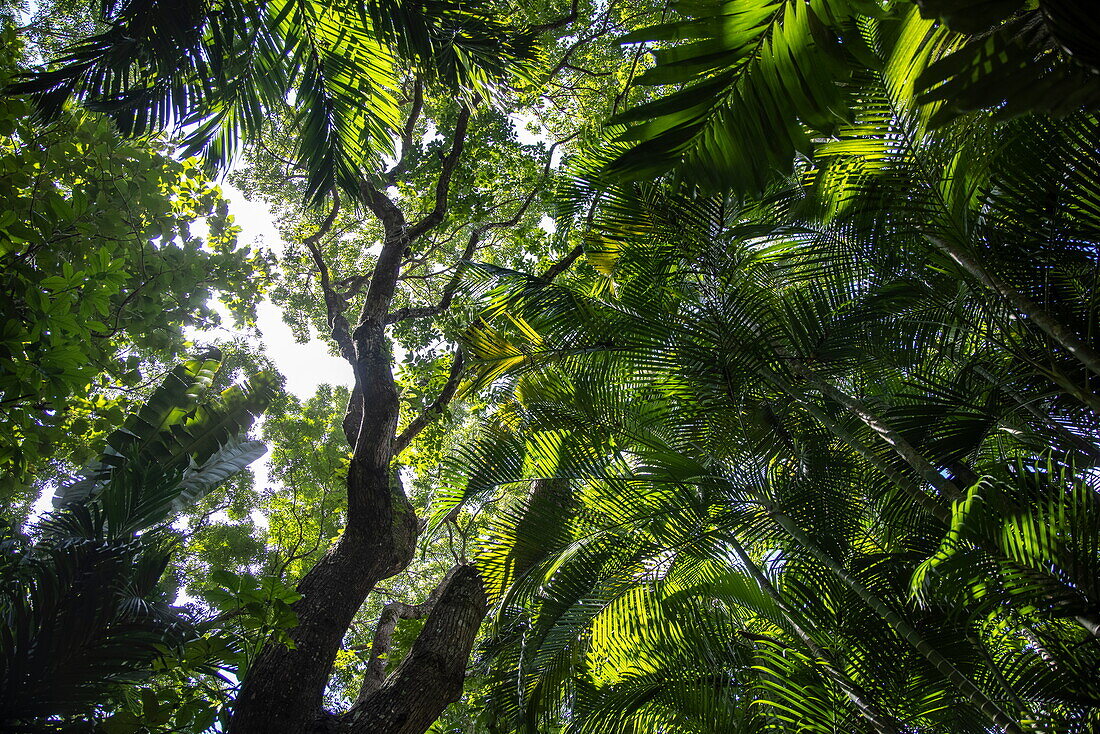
(182,432)
(234,456)
(170,402)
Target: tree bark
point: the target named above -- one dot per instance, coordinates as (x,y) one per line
(283,690)
(432,674)
(392,613)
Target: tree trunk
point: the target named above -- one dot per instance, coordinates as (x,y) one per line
(911,488)
(283,689)
(901,446)
(432,674)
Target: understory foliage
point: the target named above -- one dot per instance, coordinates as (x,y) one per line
(757,394)
(101,272)
(91,629)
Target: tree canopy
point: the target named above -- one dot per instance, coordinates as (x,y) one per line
(716,367)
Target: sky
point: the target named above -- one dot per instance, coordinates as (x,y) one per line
(305,366)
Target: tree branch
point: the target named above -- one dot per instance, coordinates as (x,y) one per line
(407,132)
(387,267)
(432,411)
(419,312)
(432,674)
(559,22)
(443,184)
(354,285)
(399,235)
(562,265)
(581,41)
(455,377)
(334,304)
(392,613)
(472,245)
(445,396)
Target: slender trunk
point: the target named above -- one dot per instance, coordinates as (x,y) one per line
(901,446)
(1035,313)
(882,723)
(375,675)
(995,671)
(905,630)
(909,487)
(1080,442)
(990,544)
(1033,639)
(1064,381)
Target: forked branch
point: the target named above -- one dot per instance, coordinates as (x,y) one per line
(476,235)
(392,613)
(443,183)
(407,132)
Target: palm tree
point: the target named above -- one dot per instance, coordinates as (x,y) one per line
(901,459)
(764,77)
(797,378)
(756,82)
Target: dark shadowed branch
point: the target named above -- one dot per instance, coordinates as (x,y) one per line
(407,132)
(392,613)
(557,23)
(432,674)
(334,303)
(443,183)
(472,246)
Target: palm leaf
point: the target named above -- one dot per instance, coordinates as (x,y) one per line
(761,75)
